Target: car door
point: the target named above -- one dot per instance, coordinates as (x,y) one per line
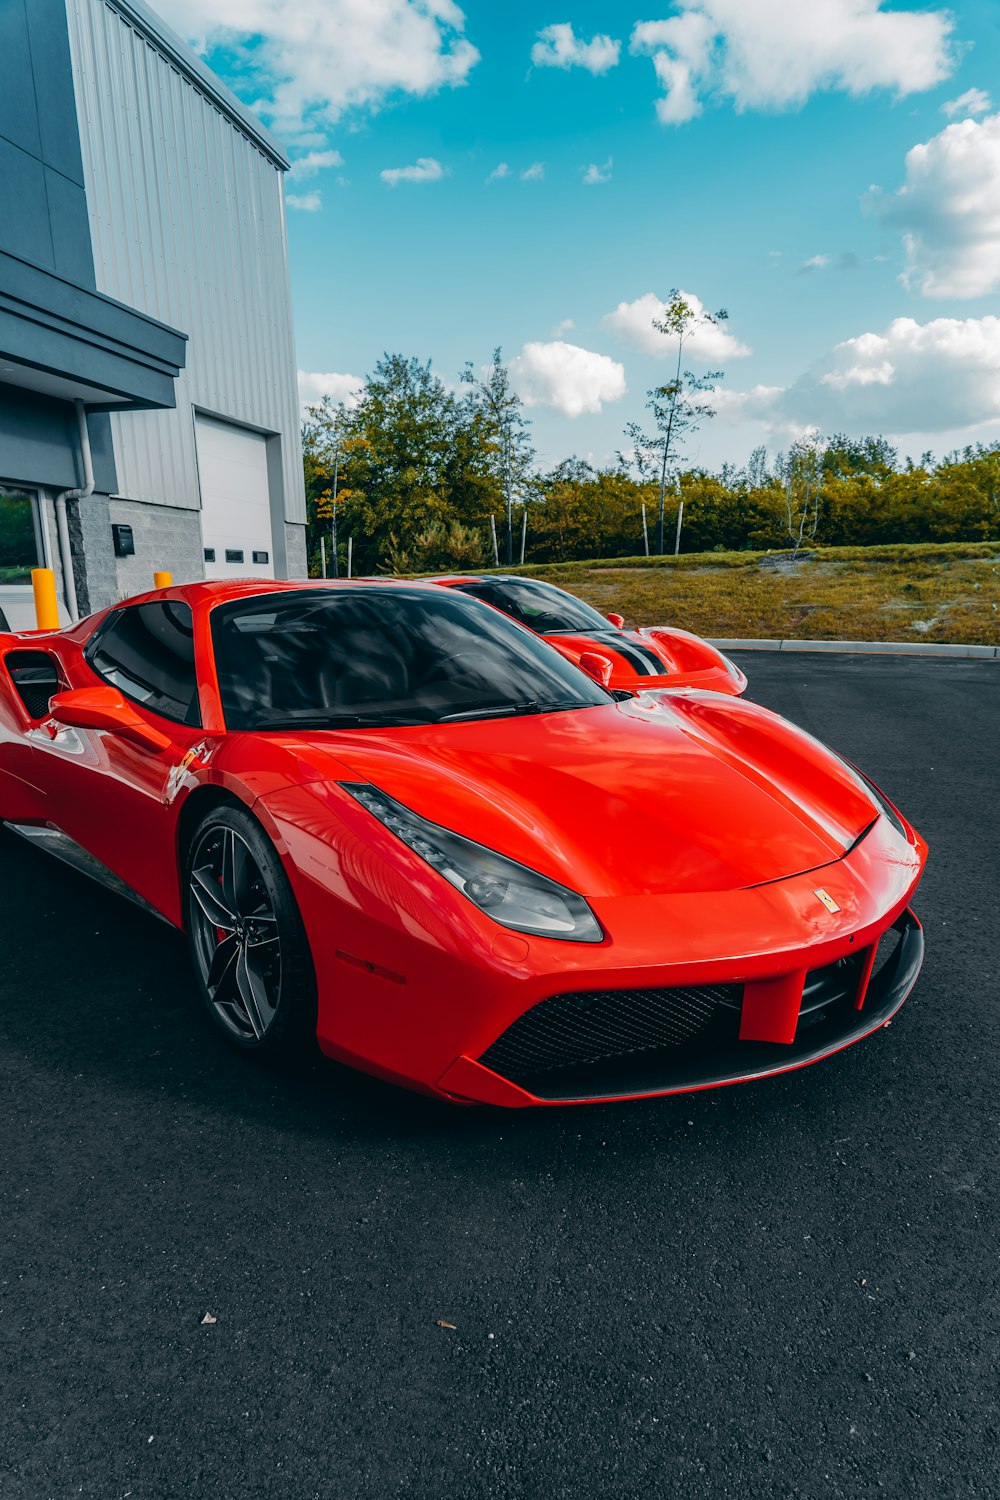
(114,797)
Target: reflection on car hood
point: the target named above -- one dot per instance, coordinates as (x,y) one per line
(656,794)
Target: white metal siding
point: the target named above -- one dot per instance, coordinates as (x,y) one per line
(187,219)
(235,501)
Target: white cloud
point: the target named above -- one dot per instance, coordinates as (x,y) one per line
(534,173)
(769,54)
(314,385)
(845,261)
(309,203)
(569,379)
(632,324)
(313,162)
(972,102)
(595,174)
(563,327)
(940,376)
(500,171)
(560,47)
(424,169)
(310,61)
(949,211)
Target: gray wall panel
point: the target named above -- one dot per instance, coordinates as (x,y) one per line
(295,551)
(22,181)
(39,443)
(187,220)
(165,538)
(51,65)
(18,116)
(67,201)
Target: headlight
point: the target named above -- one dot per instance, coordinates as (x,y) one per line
(881,801)
(508,892)
(885,805)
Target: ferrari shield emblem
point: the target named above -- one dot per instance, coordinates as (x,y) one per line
(826,899)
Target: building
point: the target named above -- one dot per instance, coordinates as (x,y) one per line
(148,405)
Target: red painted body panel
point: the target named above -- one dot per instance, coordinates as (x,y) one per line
(693,824)
(687,661)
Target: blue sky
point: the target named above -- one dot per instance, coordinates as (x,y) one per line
(758,154)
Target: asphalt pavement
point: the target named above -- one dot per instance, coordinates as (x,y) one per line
(784,1289)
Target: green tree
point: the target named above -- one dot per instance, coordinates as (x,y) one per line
(588,513)
(448,548)
(394,449)
(801,472)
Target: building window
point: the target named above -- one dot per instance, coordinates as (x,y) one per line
(234,554)
(210,554)
(262,557)
(19,539)
(147,653)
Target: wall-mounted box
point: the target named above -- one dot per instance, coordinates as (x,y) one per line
(123,539)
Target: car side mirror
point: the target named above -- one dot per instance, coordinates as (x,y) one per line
(618,621)
(596,666)
(105,708)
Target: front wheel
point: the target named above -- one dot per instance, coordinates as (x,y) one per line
(248,944)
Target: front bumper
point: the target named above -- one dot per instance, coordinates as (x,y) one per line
(868,999)
(416,985)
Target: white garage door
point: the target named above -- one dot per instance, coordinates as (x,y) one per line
(235,500)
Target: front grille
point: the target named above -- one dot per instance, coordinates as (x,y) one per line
(885,954)
(611,1027)
(835,984)
(612,1043)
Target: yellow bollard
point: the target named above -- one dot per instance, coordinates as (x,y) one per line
(162,580)
(43,583)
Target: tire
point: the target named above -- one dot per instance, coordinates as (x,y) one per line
(247,940)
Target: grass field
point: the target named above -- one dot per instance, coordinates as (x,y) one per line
(934,592)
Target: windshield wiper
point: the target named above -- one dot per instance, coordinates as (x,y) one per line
(335,721)
(503,711)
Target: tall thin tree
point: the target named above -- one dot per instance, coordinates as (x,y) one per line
(676,408)
(508,433)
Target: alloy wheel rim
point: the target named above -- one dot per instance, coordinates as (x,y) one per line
(235,931)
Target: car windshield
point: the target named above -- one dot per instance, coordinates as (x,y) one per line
(540,606)
(365,656)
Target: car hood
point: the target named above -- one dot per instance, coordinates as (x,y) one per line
(656,794)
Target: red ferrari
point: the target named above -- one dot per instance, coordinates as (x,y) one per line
(388,817)
(656,657)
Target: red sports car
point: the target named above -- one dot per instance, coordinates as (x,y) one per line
(656,657)
(387,816)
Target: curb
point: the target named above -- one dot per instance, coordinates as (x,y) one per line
(862,648)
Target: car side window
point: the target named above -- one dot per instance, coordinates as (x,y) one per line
(490,594)
(146,651)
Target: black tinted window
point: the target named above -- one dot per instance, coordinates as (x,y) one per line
(147,652)
(367,656)
(540,606)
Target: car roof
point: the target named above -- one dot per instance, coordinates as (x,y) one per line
(207,593)
(220,591)
(456,579)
